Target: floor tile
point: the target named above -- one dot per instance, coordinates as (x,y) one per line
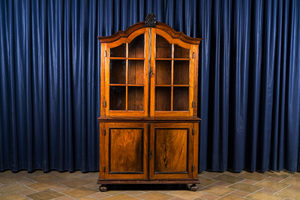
(134,192)
(220,191)
(206,181)
(254,176)
(65,198)
(187,194)
(289,193)
(231,197)
(292,187)
(268,190)
(228,178)
(240,193)
(100,195)
(263,196)
(272,185)
(26,181)
(245,187)
(249,181)
(87,198)
(122,197)
(79,192)
(280,174)
(211,174)
(12,196)
(222,183)
(93,186)
(11,188)
(275,179)
(292,181)
(60,188)
(42,186)
(46,194)
(209,197)
(154,195)
(76,182)
(26,191)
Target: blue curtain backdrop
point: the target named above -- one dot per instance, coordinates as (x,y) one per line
(249,79)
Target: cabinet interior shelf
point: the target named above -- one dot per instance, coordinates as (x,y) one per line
(132,85)
(187,59)
(124,58)
(172,85)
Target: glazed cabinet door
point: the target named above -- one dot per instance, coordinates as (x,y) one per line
(172,75)
(126,75)
(173,150)
(123,151)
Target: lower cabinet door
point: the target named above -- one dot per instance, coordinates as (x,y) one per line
(123,151)
(172,151)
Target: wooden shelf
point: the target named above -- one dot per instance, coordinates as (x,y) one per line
(132,85)
(163,58)
(124,58)
(163,85)
(187,59)
(175,85)
(117,84)
(136,59)
(118,58)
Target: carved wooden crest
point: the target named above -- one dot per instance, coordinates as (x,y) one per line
(150,20)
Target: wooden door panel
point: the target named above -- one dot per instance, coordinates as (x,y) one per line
(126,151)
(173,151)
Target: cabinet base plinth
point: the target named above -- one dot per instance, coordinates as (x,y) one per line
(115,182)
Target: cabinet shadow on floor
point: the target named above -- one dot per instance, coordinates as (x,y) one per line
(149,187)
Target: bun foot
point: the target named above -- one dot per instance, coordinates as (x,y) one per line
(102,188)
(193,187)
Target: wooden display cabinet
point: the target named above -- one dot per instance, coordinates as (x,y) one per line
(149,128)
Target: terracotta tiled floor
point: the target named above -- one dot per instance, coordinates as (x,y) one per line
(226,185)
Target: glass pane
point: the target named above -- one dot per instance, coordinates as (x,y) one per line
(163,48)
(117,98)
(181,99)
(181,72)
(136,47)
(180,52)
(119,51)
(163,72)
(118,71)
(136,72)
(135,98)
(163,98)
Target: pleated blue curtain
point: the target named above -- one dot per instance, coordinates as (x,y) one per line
(249,80)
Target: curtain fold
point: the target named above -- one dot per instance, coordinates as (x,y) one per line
(249,80)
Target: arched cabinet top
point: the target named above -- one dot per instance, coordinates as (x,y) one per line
(141,25)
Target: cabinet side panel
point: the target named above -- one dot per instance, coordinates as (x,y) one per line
(102,87)
(101,151)
(196,71)
(196,149)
